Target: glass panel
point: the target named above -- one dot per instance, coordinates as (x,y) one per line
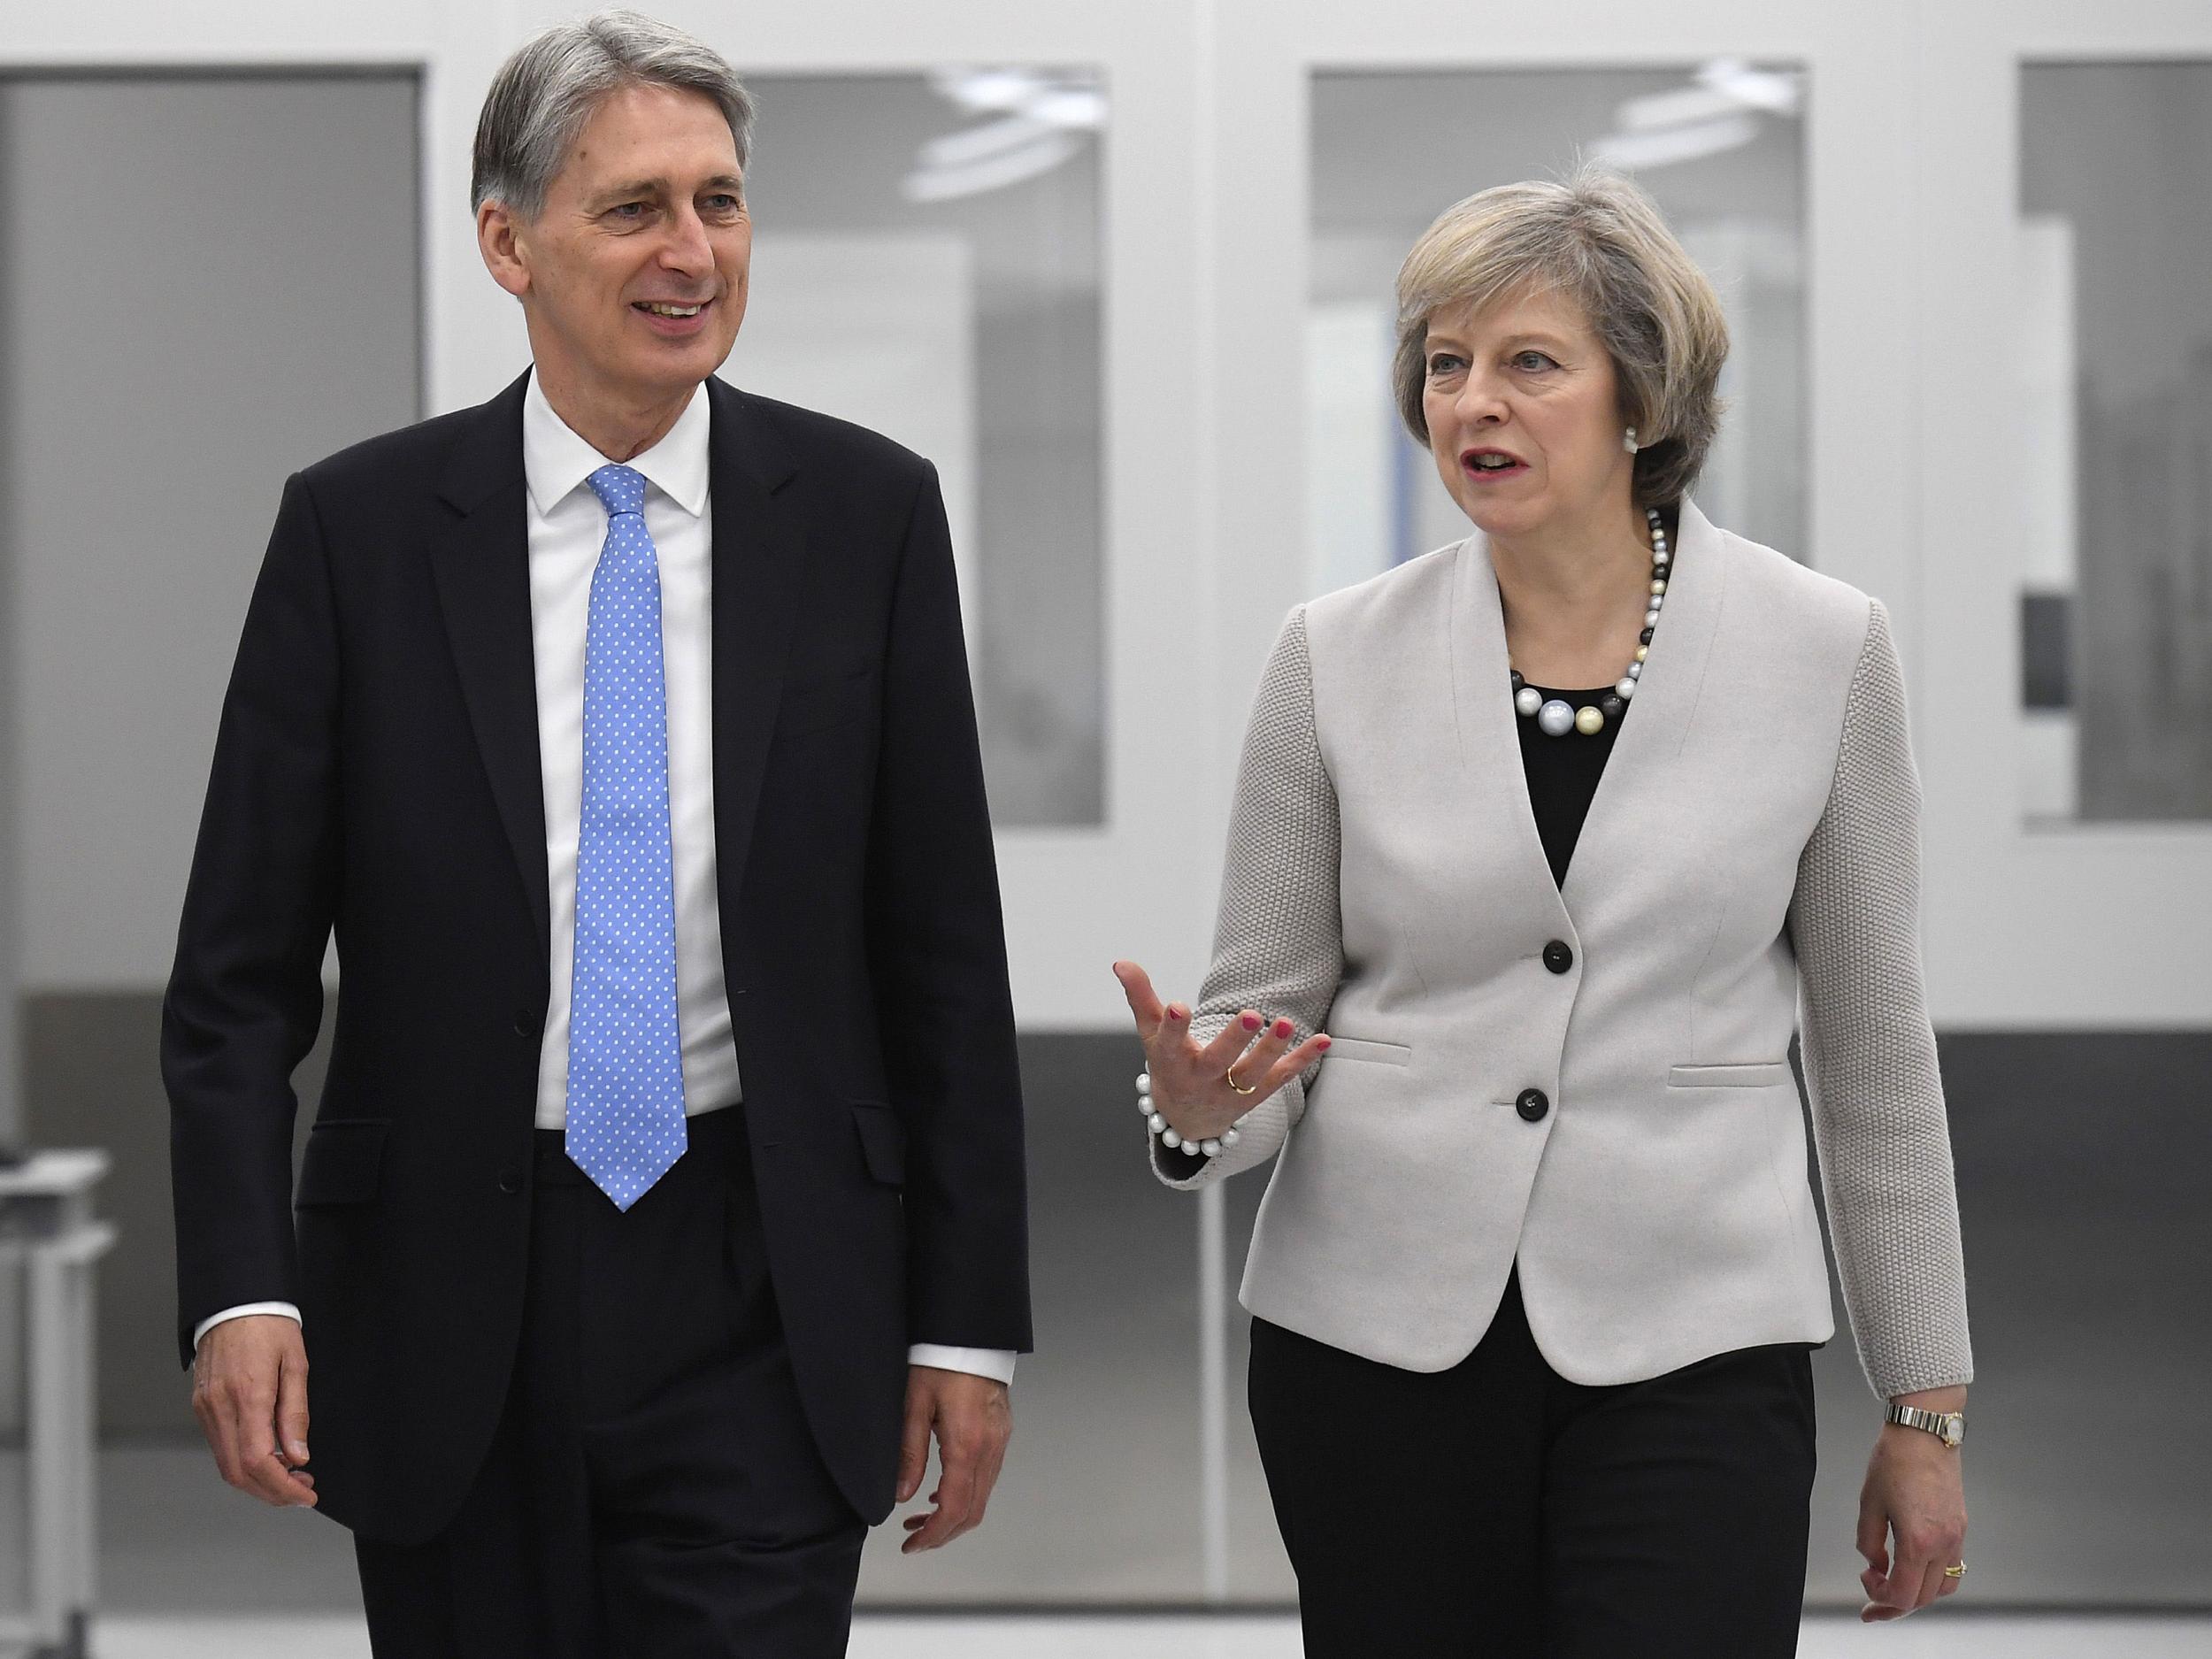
(1720,147)
(926,263)
(2113,372)
(207,280)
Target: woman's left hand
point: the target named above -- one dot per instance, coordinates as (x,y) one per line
(1912,1521)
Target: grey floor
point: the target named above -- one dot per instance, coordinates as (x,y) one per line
(2082,1166)
(1925,1636)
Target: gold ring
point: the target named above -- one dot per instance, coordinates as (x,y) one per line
(1958,1572)
(1232,1075)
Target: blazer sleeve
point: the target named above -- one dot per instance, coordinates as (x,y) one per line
(1278,936)
(1870,1054)
(937,954)
(245,996)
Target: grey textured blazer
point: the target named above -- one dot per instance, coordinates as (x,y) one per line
(1750,866)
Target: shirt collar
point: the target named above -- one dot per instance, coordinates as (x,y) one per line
(555,461)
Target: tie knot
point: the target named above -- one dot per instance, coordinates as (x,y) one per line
(620,489)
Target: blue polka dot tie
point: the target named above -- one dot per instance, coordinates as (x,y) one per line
(626,1077)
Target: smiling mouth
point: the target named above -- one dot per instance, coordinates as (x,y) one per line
(1491,461)
(663,308)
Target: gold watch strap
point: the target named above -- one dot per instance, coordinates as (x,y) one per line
(1947,1426)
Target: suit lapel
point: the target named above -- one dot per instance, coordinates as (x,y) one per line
(479,558)
(1630,805)
(758,554)
(1621,818)
(1490,751)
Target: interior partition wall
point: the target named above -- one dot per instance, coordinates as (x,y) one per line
(210,278)
(1145,359)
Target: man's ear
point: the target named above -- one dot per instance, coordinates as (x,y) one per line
(499,239)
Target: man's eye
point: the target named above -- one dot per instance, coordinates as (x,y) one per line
(724,203)
(629,209)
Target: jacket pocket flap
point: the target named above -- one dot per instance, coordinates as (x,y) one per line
(344,1162)
(882,1141)
(1361,1049)
(1765,1074)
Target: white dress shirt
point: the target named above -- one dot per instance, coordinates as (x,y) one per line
(567,526)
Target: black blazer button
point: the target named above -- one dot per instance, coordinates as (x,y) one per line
(1531,1105)
(526,1023)
(509,1179)
(1559,956)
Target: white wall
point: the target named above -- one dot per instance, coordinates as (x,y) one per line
(1076,899)
(1910,167)
(211,284)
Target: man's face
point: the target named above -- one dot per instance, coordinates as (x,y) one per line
(633,275)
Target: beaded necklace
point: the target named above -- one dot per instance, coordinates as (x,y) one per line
(1553,716)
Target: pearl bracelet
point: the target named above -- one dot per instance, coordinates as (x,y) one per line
(1157,1123)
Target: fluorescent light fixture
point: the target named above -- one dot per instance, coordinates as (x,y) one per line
(1041,117)
(1667,145)
(993,173)
(974,143)
(1718,111)
(984,90)
(1776,91)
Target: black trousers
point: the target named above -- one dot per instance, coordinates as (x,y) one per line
(1497,1509)
(653,1491)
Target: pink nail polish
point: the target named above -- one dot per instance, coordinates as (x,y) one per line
(1252,1021)
(1283,1028)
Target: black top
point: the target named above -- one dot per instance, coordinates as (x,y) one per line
(1562,774)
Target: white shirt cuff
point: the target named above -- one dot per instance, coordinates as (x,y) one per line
(997,1363)
(242,1310)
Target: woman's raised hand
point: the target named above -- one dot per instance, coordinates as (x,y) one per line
(1191,1083)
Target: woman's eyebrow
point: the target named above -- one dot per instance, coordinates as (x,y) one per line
(1525,337)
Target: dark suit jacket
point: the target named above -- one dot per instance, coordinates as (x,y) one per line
(377,772)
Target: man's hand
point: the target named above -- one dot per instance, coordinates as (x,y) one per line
(972,1421)
(249,1393)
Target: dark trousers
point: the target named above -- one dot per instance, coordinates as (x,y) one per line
(1497,1509)
(653,1491)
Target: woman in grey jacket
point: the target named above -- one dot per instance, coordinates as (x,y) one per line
(1560,832)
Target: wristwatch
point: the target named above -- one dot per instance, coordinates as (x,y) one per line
(1947,1426)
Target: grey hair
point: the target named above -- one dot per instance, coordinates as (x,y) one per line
(1598,239)
(544,95)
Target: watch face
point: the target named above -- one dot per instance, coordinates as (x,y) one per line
(1954,1429)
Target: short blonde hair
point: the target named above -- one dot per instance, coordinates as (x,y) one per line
(1598,240)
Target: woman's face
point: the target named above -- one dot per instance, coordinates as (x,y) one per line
(1523,415)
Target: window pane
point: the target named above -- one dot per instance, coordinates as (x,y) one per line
(206,283)
(926,263)
(1719,147)
(2113,369)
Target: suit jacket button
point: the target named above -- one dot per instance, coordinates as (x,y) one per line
(1559,956)
(1531,1104)
(526,1023)
(509,1179)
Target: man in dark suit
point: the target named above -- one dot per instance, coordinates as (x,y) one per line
(665,1193)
